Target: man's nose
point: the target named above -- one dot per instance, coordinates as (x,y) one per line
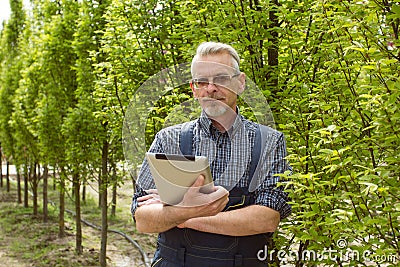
(211,87)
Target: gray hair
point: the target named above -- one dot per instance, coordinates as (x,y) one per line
(213,48)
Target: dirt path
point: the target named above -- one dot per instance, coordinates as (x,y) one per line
(6,261)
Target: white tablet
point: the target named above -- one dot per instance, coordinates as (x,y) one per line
(174,174)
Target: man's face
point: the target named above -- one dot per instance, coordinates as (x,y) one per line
(216,84)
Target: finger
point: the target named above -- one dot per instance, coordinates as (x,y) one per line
(222,190)
(147,198)
(199,181)
(219,193)
(144,198)
(149,201)
(151,191)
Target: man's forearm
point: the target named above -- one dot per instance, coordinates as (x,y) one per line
(157,218)
(250,220)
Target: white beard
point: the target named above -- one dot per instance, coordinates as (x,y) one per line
(215,109)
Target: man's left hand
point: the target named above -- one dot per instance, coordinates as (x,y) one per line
(152,197)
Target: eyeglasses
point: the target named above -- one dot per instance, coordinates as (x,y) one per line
(221,80)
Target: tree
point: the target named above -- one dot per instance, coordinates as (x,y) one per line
(88,49)
(10,67)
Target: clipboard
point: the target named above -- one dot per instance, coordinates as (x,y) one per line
(174,174)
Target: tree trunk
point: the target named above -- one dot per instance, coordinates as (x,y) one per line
(78,223)
(114,190)
(8,176)
(55,178)
(19,195)
(34,184)
(103,194)
(84,192)
(45,199)
(61,219)
(114,200)
(99,186)
(26,192)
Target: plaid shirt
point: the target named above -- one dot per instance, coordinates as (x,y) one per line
(229,154)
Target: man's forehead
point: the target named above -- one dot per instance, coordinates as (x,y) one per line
(208,68)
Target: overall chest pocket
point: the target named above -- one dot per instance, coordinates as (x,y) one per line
(238,198)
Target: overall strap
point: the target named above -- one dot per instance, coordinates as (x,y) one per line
(262,133)
(186,138)
(258,148)
(255,153)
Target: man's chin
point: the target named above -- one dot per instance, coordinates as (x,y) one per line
(215,111)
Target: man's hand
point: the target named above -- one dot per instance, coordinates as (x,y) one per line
(195,196)
(204,204)
(151,198)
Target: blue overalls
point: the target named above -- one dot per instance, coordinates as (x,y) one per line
(190,248)
(187,247)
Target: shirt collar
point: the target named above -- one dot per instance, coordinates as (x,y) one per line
(205,123)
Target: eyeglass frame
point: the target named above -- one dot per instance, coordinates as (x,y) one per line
(193,81)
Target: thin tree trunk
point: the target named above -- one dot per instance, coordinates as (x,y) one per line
(45,199)
(99,186)
(103,194)
(114,200)
(26,178)
(8,176)
(114,190)
(78,223)
(61,219)
(84,192)
(55,178)
(35,182)
(19,195)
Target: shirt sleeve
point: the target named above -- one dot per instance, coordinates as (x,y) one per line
(269,193)
(138,193)
(145,179)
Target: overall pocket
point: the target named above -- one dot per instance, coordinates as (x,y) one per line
(236,202)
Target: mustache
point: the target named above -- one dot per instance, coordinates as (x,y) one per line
(215,97)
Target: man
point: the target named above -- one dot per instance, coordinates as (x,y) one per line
(221,228)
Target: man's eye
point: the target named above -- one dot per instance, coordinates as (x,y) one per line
(223,80)
(202,80)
